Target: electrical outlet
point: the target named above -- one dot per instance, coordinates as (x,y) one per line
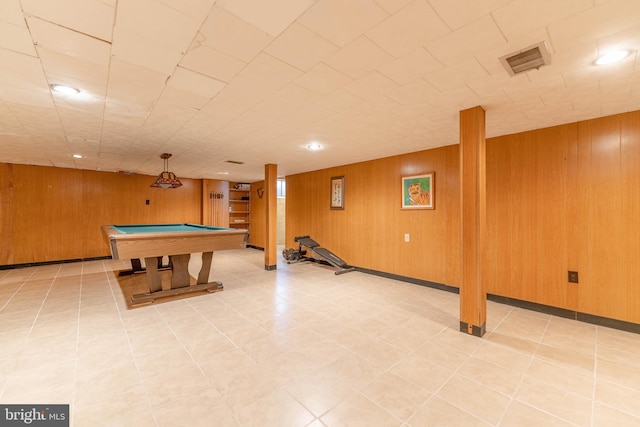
(407,237)
(573,277)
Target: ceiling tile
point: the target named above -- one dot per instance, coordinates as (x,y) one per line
(241,94)
(392,6)
(523,16)
(69,43)
(371,87)
(341,21)
(10,127)
(226,33)
(300,47)
(165,120)
(150,54)
(458,13)
(414,26)
(191,89)
(188,81)
(74,72)
(417,92)
(359,58)
(29,67)
(158,23)
(270,71)
(479,36)
(11,12)
(19,96)
(193,8)
(295,95)
(16,38)
(339,100)
(133,88)
(272,17)
(323,79)
(596,22)
(206,60)
(451,78)
(416,64)
(92,17)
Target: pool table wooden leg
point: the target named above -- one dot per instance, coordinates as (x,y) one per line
(153,277)
(203,276)
(180,279)
(180,276)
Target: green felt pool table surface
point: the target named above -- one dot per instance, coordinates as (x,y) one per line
(164,228)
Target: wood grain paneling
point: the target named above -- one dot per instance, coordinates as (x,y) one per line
(567,198)
(48,214)
(57,213)
(370,231)
(6,214)
(257,237)
(527,211)
(600,191)
(219,218)
(630,215)
(112,198)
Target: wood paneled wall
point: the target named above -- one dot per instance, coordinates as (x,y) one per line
(558,199)
(210,216)
(52,214)
(370,231)
(568,198)
(257,218)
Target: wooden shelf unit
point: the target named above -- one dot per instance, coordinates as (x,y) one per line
(239,205)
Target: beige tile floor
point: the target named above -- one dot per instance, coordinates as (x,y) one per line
(300,346)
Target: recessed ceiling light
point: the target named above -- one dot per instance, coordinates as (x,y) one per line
(611,57)
(65,90)
(77,156)
(223,173)
(314,146)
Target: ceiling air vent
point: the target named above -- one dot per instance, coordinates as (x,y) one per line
(235,162)
(527,59)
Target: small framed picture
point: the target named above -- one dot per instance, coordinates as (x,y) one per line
(418,191)
(337,192)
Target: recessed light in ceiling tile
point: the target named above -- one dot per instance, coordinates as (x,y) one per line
(77,156)
(611,57)
(64,90)
(314,146)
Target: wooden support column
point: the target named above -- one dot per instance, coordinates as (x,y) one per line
(271,220)
(473,291)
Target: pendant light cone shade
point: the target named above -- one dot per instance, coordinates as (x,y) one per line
(166,179)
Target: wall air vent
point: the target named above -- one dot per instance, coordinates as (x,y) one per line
(531,58)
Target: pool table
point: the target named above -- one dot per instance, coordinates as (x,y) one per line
(178,242)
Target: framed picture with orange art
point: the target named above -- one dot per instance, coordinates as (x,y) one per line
(419,191)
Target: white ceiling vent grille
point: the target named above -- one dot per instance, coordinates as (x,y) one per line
(531,58)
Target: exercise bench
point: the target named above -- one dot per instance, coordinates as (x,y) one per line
(293,255)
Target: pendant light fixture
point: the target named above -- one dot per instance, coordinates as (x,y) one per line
(166,179)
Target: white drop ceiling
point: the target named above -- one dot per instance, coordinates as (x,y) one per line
(256,81)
